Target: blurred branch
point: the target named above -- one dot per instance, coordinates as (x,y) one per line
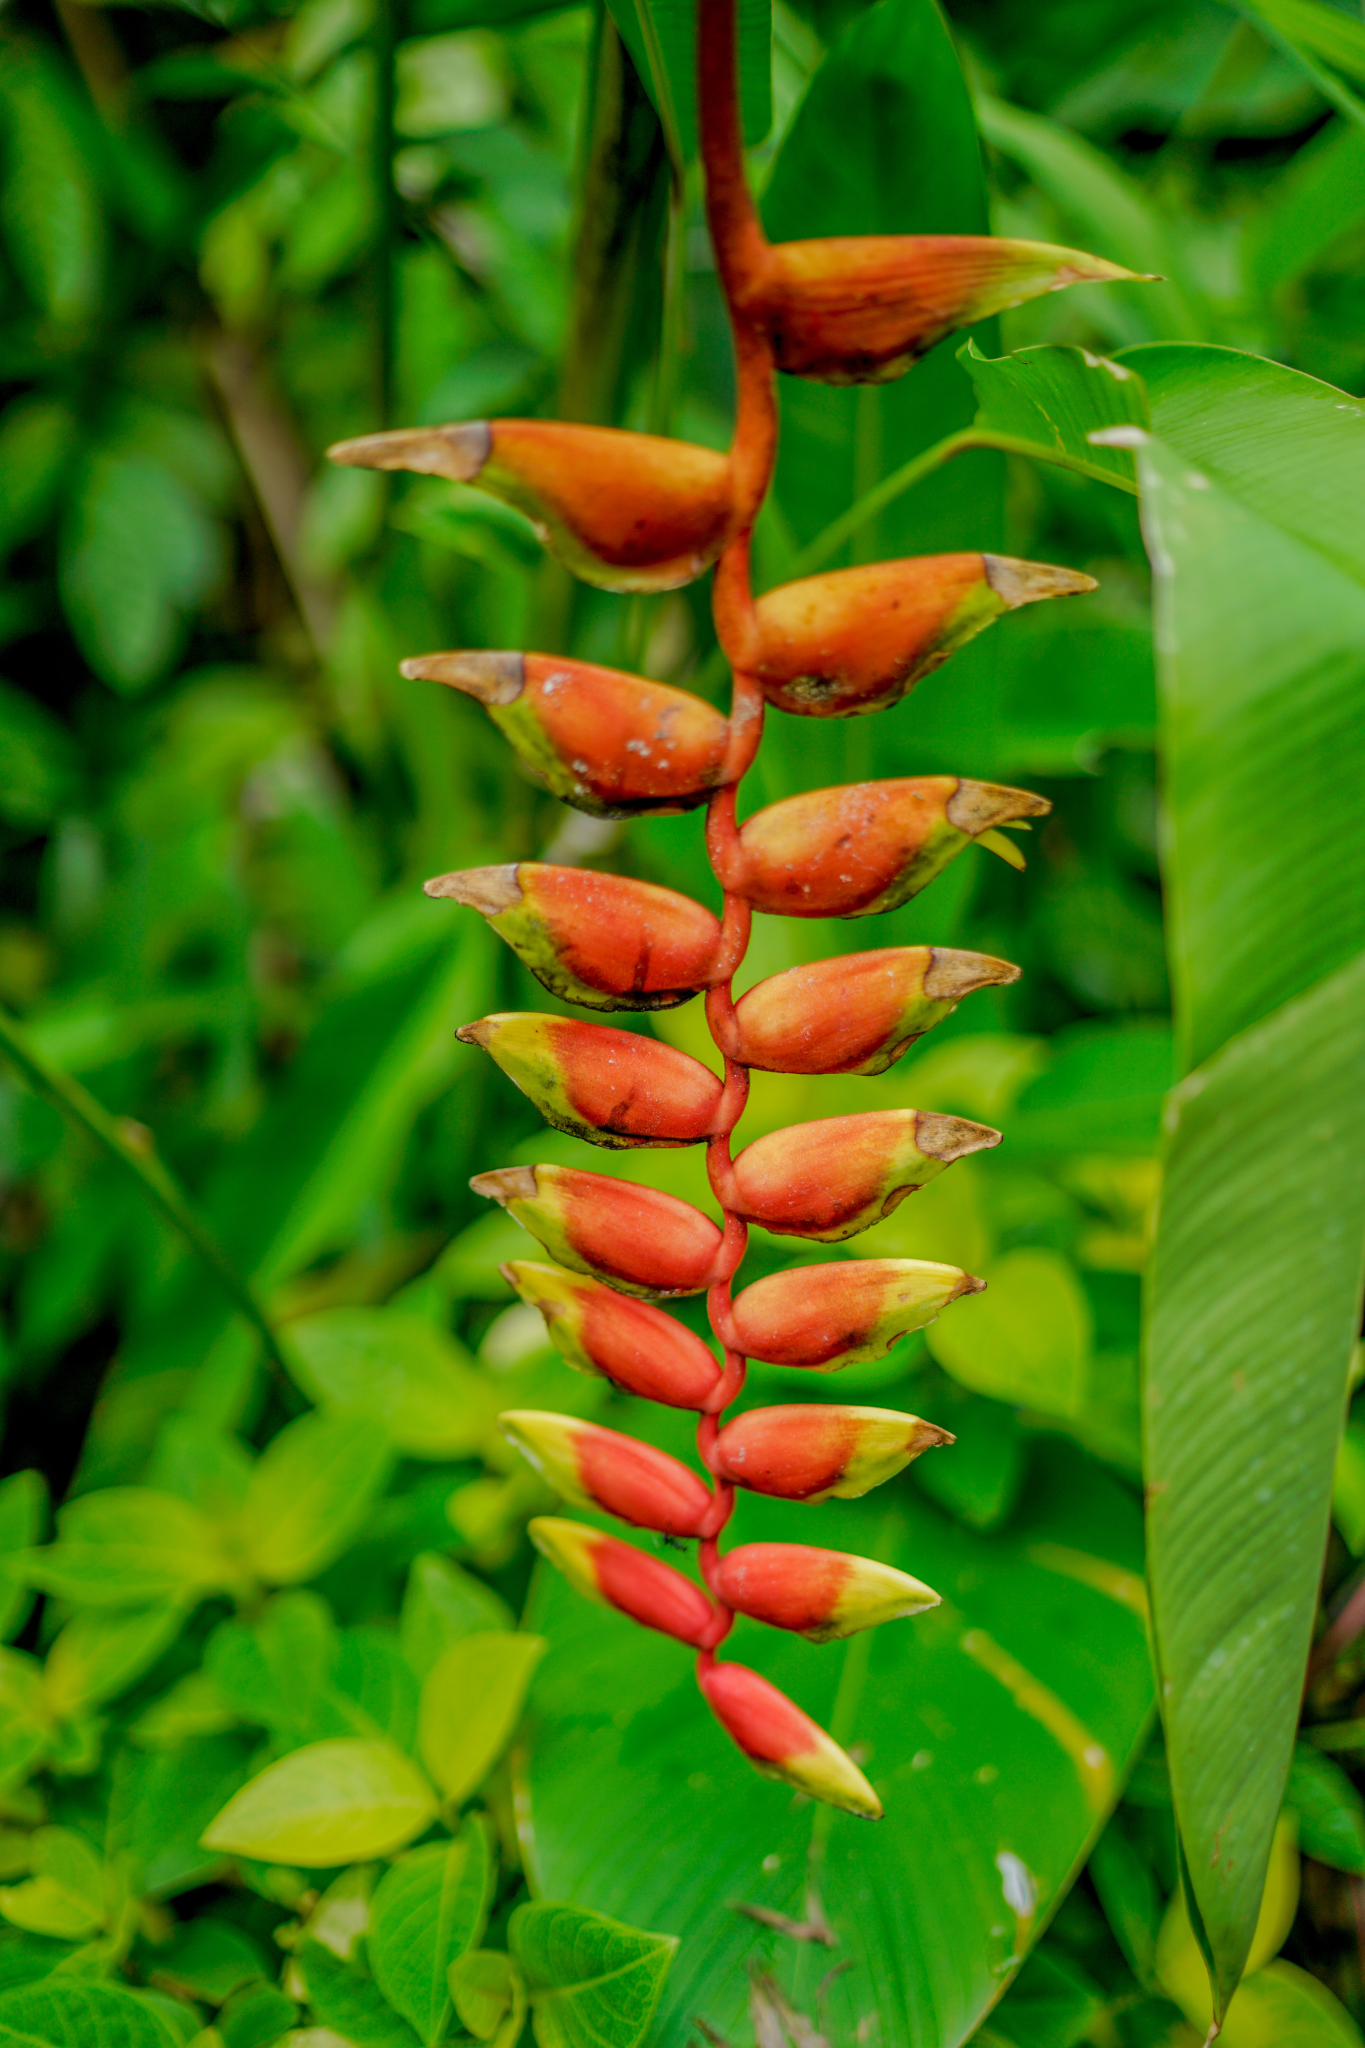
(384,42)
(132,1145)
(99,57)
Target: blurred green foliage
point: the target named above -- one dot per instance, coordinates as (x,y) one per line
(228,236)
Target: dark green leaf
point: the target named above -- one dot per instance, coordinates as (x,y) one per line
(443,1603)
(592,1982)
(427,1911)
(70,2012)
(209,1959)
(349,2002)
(1330,1810)
(257,2017)
(311,1493)
(1053,2004)
(661,38)
(23,1506)
(402,1373)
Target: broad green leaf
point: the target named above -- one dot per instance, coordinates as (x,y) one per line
(428,1909)
(50,198)
(311,1493)
(1348,1488)
(161,1803)
(1052,2004)
(1326,32)
(1318,199)
(209,1959)
(995,1728)
(592,1983)
(441,1603)
(1127,1890)
(1101,1091)
(1027,1339)
(401,1372)
(471,1702)
(130,1546)
(1056,398)
(489,1995)
(72,2012)
(23,1505)
(349,2002)
(65,1896)
(662,40)
(333,1802)
(100,1654)
(1331,1813)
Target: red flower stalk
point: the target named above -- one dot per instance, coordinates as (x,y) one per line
(632,512)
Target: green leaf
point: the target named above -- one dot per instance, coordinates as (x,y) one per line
(1055,398)
(1254,1293)
(397,1371)
(995,1728)
(662,40)
(49,204)
(23,1505)
(1327,32)
(472,1699)
(1027,1339)
(25,1726)
(489,1994)
(209,1959)
(162,1802)
(257,2017)
(592,1982)
(1348,1488)
(332,1802)
(311,1494)
(1127,1890)
(72,2012)
(277,1670)
(374,1685)
(100,1654)
(1101,1091)
(345,2000)
(1052,2004)
(130,1546)
(441,1603)
(37,436)
(1331,1812)
(65,1896)
(427,1911)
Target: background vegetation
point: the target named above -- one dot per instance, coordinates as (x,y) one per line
(227,238)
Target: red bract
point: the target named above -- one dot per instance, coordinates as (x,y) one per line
(632,512)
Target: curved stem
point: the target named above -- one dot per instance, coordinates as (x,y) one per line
(736,236)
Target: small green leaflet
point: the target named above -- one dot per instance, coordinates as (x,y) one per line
(65,1895)
(310,1494)
(130,1546)
(489,1993)
(592,1982)
(345,2000)
(409,1378)
(333,1802)
(428,1909)
(471,1703)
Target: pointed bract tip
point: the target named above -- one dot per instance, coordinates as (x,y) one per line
(456,452)
(490,678)
(951,1137)
(977,807)
(490,890)
(1016,583)
(951,975)
(970,1283)
(506,1183)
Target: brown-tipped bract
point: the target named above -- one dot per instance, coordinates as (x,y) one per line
(598,1331)
(838,645)
(865,846)
(613,1572)
(860,309)
(825,1317)
(623,511)
(821,1453)
(600,1468)
(608,743)
(605,941)
(857,1014)
(636,1238)
(612,1087)
(836,1177)
(784,1743)
(820,1594)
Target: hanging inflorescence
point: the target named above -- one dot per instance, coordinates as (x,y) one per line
(633,512)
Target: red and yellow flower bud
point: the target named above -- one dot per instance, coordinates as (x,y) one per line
(825,1317)
(613,1088)
(821,1594)
(820,1453)
(782,1742)
(838,645)
(859,1013)
(605,941)
(836,1177)
(864,847)
(860,309)
(612,1572)
(600,1468)
(623,511)
(598,1331)
(610,744)
(635,1238)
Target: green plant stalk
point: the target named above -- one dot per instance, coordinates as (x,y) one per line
(386,227)
(115,1135)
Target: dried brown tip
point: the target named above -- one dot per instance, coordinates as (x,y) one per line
(930,1437)
(977,806)
(1016,583)
(506,1183)
(458,452)
(490,890)
(951,1137)
(951,975)
(490,678)
(970,1283)
(478,1033)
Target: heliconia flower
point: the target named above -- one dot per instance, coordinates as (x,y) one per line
(610,744)
(600,1468)
(636,1238)
(821,1594)
(865,846)
(857,1014)
(860,309)
(820,1453)
(598,1331)
(623,511)
(605,941)
(825,1317)
(782,1742)
(611,1087)
(838,1176)
(855,641)
(618,1575)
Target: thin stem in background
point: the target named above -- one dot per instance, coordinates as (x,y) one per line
(384,42)
(134,1149)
